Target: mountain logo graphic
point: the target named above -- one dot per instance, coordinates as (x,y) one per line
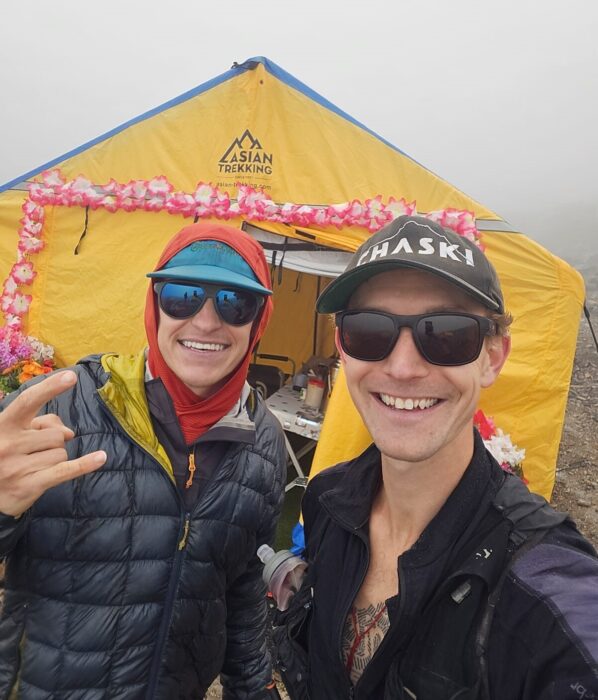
(245,155)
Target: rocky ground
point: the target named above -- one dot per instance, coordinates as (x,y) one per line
(576,488)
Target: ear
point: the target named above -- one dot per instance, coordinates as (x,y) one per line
(337,342)
(495,352)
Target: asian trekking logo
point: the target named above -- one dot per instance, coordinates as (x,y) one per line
(245,156)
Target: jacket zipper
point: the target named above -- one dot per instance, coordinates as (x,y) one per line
(353,689)
(385,640)
(350,687)
(191,467)
(169,601)
(179,555)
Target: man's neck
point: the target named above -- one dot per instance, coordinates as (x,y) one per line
(413,493)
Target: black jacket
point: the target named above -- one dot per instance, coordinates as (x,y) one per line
(542,640)
(113,590)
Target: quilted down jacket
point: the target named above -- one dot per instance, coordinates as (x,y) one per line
(113,590)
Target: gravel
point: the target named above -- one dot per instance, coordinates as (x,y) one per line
(576,487)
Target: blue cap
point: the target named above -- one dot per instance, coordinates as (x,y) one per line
(213,262)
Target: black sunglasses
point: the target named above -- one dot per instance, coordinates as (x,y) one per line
(447,339)
(180,300)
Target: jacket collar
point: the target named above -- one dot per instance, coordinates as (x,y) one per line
(235,426)
(124,396)
(350,501)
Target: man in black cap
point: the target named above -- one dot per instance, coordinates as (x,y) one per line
(434,574)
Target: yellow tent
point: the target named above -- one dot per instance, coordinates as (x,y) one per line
(255,126)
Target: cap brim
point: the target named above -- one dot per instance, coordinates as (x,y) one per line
(337,294)
(212,275)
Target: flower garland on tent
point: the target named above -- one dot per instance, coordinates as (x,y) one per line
(158,194)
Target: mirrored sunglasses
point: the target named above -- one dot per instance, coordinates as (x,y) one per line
(181,300)
(447,339)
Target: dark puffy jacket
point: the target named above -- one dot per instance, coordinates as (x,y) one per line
(112,590)
(542,640)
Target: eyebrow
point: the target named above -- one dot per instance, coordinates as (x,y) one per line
(441,308)
(450,307)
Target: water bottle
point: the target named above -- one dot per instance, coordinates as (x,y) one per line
(283,573)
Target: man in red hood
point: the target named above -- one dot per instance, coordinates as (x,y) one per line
(135,491)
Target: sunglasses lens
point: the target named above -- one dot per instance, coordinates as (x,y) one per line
(234,306)
(237,306)
(181,300)
(449,340)
(367,336)
(443,339)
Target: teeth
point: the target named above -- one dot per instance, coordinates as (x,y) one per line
(202,346)
(407,404)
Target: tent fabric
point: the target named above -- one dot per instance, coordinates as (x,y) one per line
(257,125)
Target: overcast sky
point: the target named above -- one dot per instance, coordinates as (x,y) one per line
(499,98)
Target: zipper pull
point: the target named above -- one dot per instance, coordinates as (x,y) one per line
(191,468)
(183,541)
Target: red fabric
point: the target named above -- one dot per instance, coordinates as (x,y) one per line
(197,415)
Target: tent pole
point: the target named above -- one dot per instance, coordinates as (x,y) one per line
(586,312)
(315,333)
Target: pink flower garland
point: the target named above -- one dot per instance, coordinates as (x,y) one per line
(158,194)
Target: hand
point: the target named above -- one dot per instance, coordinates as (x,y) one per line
(33,457)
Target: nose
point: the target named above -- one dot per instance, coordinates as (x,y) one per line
(405,361)
(206,318)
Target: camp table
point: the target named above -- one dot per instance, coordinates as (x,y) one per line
(288,408)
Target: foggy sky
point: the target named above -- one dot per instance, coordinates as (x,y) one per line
(500,99)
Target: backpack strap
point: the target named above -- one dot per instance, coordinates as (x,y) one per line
(532,518)
(526,511)
(483,633)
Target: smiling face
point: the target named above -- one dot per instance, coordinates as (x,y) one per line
(203,350)
(417,412)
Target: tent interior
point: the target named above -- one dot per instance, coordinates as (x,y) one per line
(300,270)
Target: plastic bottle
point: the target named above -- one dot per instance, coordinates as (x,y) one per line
(283,573)
(314,392)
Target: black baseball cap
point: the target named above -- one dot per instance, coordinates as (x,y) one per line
(422,244)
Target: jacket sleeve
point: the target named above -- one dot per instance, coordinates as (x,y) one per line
(247,668)
(11,530)
(554,645)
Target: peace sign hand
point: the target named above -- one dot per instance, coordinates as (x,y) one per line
(33,457)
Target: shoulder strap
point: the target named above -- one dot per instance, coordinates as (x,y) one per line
(531,517)
(526,511)
(483,633)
